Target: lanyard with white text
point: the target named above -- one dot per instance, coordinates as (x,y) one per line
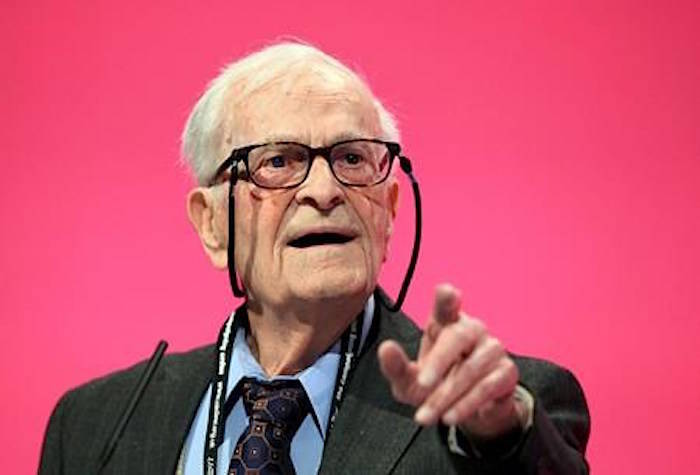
(349,351)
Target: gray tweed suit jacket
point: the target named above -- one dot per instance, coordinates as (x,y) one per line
(373,433)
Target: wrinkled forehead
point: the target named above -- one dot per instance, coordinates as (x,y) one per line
(313,105)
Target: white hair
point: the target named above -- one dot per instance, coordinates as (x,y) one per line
(205,128)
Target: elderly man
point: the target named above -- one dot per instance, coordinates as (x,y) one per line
(293,155)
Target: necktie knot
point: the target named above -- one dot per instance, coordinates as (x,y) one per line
(275,411)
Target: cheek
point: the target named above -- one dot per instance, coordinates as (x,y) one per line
(259,214)
(376,218)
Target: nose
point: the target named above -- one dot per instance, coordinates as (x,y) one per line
(320,189)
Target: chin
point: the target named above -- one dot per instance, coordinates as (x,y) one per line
(331,285)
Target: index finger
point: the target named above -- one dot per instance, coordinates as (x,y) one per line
(448,301)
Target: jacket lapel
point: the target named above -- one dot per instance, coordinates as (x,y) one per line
(372,430)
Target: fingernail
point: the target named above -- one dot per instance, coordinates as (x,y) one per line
(427,377)
(450,418)
(424,415)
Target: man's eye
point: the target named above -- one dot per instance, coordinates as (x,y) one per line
(276,162)
(352,159)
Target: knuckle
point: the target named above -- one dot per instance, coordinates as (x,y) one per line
(513,373)
(468,371)
(461,330)
(488,390)
(495,345)
(445,390)
(433,330)
(509,367)
(465,335)
(479,326)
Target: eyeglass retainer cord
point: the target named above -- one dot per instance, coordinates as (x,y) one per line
(407,168)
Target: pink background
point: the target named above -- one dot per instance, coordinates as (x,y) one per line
(556,143)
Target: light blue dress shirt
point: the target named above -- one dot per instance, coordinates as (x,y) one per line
(307,445)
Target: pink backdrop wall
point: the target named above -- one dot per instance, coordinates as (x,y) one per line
(556,143)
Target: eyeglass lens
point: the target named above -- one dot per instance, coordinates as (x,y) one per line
(280,165)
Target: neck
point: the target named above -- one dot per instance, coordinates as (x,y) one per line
(286,342)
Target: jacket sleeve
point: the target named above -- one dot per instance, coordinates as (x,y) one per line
(556,442)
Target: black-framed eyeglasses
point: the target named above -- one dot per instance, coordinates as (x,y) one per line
(280,165)
(286,164)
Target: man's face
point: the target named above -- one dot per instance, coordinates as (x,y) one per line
(274,269)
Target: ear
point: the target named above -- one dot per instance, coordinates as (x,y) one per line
(208,217)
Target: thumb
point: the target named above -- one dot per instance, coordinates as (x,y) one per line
(397,369)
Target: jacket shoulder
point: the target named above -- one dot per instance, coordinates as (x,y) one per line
(174,365)
(86,415)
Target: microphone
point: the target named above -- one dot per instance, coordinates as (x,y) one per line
(134,399)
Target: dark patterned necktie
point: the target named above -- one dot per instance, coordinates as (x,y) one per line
(275,411)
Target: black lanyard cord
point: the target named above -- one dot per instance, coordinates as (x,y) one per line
(220,407)
(215,433)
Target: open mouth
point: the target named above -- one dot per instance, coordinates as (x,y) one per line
(320,239)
